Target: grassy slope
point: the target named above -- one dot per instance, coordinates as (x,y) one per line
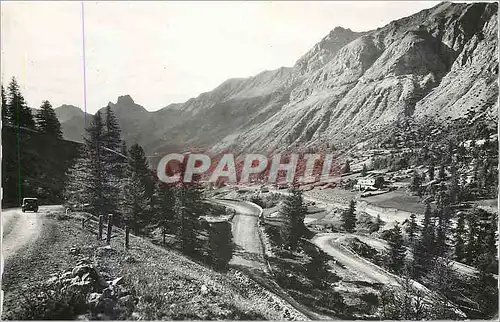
(168,284)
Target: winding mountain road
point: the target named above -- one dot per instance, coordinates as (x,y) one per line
(249,250)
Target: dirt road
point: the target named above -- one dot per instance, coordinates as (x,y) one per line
(18,228)
(327,242)
(249,251)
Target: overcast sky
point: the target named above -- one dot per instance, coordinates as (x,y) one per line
(165,52)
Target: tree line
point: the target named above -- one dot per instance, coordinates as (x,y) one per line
(17,113)
(34,156)
(110,178)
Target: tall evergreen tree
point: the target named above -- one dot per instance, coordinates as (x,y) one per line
(47,120)
(424,251)
(5,109)
(416,183)
(134,204)
(442,173)
(349,217)
(472,245)
(164,213)
(397,251)
(18,110)
(412,229)
(294,211)
(454,189)
(188,208)
(114,161)
(431,171)
(460,238)
(137,208)
(98,188)
(347,167)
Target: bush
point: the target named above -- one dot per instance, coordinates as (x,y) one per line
(47,302)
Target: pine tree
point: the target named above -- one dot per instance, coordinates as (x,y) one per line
(416,184)
(378,223)
(316,268)
(397,249)
(442,281)
(77,190)
(114,162)
(431,171)
(424,251)
(188,208)
(18,110)
(294,211)
(454,188)
(349,217)
(220,247)
(459,238)
(164,211)
(5,109)
(412,229)
(471,247)
(137,208)
(134,204)
(47,121)
(442,173)
(93,143)
(347,167)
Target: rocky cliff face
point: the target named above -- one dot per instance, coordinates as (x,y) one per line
(350,86)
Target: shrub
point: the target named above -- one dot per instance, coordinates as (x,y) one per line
(48,302)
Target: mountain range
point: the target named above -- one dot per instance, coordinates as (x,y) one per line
(350,87)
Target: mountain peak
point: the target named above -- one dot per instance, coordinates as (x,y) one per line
(125,99)
(340,29)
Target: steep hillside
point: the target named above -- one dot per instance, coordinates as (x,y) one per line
(347,88)
(38,170)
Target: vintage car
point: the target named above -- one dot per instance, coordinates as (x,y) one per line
(30,204)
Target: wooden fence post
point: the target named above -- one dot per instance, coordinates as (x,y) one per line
(101,226)
(127,231)
(110,225)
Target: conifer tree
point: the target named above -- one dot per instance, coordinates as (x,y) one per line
(316,268)
(134,203)
(97,166)
(424,251)
(349,217)
(471,247)
(5,109)
(188,208)
(378,223)
(397,249)
(137,202)
(220,245)
(164,211)
(411,230)
(459,238)
(442,173)
(114,162)
(18,110)
(294,211)
(416,183)
(47,121)
(78,178)
(431,171)
(347,167)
